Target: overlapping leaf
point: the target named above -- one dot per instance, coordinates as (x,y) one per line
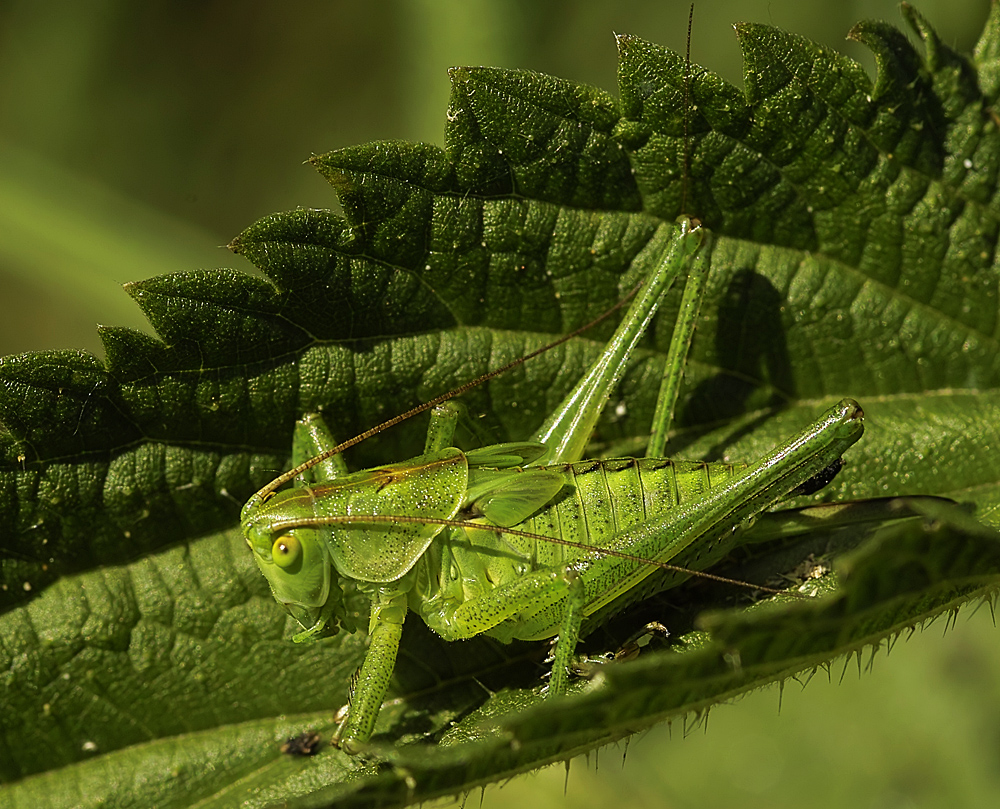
(856,227)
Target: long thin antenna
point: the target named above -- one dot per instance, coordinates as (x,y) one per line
(687,115)
(282,526)
(283,478)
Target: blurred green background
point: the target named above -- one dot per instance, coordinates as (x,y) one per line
(138,138)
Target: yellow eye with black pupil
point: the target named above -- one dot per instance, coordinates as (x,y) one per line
(286,551)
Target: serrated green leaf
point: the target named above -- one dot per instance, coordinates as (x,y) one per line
(856,227)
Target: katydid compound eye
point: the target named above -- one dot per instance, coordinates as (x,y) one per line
(286,551)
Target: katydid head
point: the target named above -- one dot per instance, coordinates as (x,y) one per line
(297,566)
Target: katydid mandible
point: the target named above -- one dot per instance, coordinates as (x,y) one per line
(459,537)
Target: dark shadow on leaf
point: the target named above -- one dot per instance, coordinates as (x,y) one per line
(752,352)
(441,682)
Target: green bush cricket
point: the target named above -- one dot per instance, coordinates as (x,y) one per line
(457,536)
(522,540)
